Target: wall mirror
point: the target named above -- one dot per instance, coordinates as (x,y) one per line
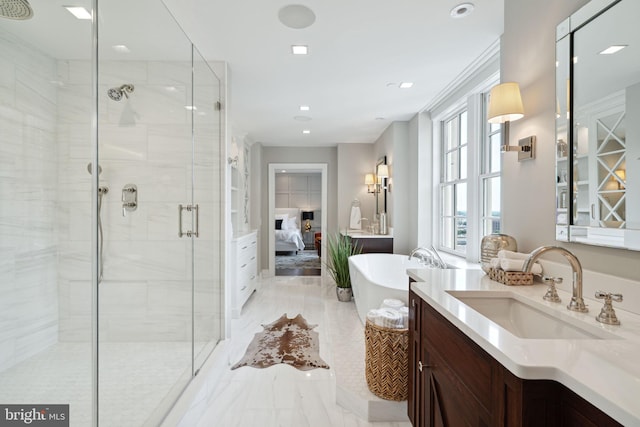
(381,196)
(598,125)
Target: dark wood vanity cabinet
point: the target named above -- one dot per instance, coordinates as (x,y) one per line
(453,382)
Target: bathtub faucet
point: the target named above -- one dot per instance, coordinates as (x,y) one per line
(428,256)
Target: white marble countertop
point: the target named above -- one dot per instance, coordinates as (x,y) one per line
(604,372)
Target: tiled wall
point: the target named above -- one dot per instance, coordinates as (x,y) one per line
(45,209)
(147,141)
(28,192)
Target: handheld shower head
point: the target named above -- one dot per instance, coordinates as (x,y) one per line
(116,93)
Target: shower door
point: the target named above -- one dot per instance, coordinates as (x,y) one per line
(158,148)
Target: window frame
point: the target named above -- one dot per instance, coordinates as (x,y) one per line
(478,148)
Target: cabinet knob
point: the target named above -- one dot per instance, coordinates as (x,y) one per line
(421,366)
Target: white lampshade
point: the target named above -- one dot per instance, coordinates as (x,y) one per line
(505,103)
(383,171)
(368,179)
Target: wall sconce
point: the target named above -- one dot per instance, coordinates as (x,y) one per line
(383,177)
(307,216)
(233,154)
(370,182)
(505,106)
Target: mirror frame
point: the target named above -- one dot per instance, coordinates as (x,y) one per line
(382,189)
(566,152)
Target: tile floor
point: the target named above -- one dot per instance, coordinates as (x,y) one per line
(281,395)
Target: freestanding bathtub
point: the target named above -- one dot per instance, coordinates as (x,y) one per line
(376,277)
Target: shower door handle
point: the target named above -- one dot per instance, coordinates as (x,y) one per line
(189,208)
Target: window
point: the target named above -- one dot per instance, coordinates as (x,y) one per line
(453,187)
(490,176)
(469,168)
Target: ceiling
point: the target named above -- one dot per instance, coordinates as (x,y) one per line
(359,52)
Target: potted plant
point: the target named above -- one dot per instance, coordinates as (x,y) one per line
(340,248)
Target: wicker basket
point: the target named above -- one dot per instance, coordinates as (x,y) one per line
(510,278)
(386,361)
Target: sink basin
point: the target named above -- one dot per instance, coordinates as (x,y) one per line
(524,320)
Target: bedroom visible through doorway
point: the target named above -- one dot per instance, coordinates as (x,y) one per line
(298,214)
(297,205)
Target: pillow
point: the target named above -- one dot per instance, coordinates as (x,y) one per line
(278,224)
(291,224)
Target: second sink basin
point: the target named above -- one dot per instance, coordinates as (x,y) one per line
(524,320)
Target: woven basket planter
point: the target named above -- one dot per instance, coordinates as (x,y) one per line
(386,361)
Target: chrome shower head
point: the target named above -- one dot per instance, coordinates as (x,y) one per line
(16,9)
(116,93)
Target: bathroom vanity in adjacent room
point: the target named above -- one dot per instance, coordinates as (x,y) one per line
(371,243)
(465,369)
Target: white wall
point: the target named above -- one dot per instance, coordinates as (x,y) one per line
(28,177)
(354,162)
(394,143)
(528,57)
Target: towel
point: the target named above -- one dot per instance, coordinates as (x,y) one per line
(388,318)
(394,304)
(355,218)
(516,265)
(512,255)
(404,311)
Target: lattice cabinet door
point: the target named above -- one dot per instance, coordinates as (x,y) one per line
(611,157)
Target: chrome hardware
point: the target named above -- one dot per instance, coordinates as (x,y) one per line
(420,366)
(552,293)
(430,257)
(189,208)
(577,302)
(607,314)
(129,198)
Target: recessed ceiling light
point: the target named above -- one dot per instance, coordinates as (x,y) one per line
(304,108)
(78,11)
(299,49)
(120,48)
(296,16)
(406,85)
(462,10)
(283,171)
(613,49)
(171,89)
(191,107)
(306,131)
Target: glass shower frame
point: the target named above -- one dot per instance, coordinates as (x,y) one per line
(87,317)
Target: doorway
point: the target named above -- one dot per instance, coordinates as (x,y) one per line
(296,174)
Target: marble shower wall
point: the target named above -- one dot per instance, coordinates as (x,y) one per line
(45,209)
(28,194)
(147,141)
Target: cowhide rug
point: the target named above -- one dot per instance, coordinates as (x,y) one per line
(289,341)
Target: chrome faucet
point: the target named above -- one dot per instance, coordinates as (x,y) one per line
(434,258)
(577,302)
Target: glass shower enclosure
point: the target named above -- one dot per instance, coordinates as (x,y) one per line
(111,186)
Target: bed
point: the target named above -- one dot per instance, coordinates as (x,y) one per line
(289,237)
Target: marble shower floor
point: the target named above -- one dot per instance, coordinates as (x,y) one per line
(134,380)
(281,395)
